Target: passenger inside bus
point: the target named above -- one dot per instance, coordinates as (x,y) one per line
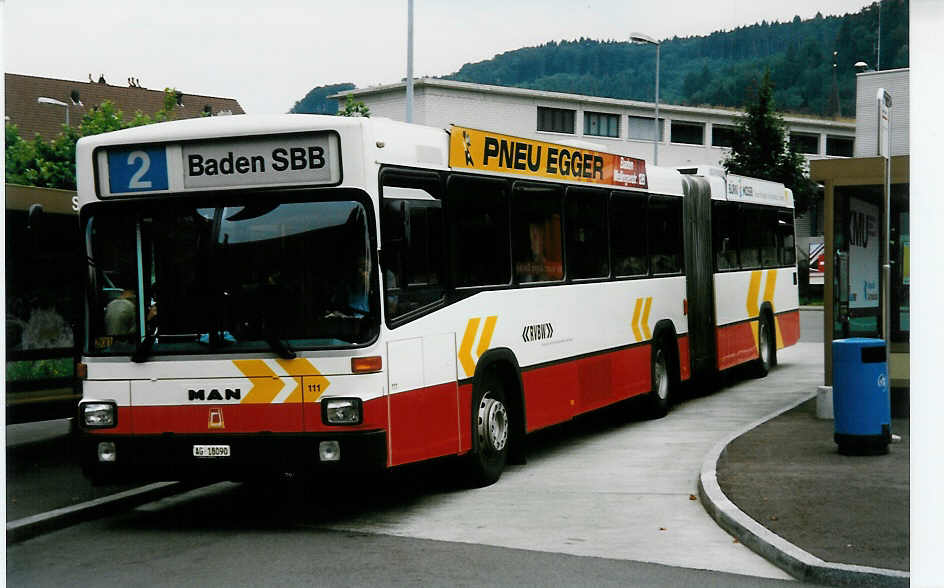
(352,299)
(120,319)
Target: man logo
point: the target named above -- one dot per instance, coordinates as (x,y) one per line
(227,394)
(216,419)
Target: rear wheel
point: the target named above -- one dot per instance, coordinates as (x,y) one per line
(659,397)
(765,347)
(491,428)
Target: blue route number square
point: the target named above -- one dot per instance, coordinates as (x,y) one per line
(137,169)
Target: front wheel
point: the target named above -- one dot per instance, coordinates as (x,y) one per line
(491,427)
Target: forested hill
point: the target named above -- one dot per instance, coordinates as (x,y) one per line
(717,69)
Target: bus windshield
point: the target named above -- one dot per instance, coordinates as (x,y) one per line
(175,277)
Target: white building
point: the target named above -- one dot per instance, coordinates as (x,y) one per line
(689,135)
(897,83)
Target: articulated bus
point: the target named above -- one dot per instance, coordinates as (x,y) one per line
(305,293)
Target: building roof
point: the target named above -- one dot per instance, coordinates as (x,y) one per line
(399,87)
(32,117)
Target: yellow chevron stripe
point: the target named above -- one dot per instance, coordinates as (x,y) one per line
(465,348)
(753,308)
(265,384)
(314,384)
(770,287)
(486,338)
(636,311)
(645,319)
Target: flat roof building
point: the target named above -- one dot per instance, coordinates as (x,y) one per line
(688,135)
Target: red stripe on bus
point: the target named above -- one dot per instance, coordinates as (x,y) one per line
(735,344)
(685,362)
(789,324)
(559,392)
(424,423)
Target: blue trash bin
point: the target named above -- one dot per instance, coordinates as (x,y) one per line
(861,401)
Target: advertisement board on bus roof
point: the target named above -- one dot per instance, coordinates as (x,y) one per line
(486,151)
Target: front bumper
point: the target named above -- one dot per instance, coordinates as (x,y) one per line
(169,456)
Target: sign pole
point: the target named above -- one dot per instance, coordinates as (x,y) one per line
(884,102)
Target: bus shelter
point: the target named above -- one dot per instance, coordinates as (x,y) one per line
(852,290)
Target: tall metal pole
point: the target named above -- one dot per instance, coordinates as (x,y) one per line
(655,154)
(647,40)
(409,62)
(878,45)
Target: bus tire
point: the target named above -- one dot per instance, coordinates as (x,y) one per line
(491,432)
(660,395)
(766,347)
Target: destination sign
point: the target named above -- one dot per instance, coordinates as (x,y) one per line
(485,151)
(299,159)
(283,160)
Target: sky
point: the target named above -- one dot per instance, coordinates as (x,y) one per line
(269,53)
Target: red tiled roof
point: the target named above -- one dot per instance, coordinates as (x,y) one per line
(32,117)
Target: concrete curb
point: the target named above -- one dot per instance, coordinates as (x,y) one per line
(783,554)
(29,527)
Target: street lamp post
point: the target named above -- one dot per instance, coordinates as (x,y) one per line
(54,102)
(647,40)
(409,62)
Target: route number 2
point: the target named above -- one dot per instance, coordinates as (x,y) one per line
(137,169)
(136,183)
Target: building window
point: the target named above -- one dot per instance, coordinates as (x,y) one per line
(839,146)
(805,143)
(599,124)
(641,127)
(556,120)
(722,136)
(688,133)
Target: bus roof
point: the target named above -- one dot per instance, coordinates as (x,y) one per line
(361,142)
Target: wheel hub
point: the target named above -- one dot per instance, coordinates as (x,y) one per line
(661,373)
(492,424)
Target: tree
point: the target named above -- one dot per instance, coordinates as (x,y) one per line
(760,148)
(52,164)
(352,108)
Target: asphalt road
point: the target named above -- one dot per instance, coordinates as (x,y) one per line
(597,498)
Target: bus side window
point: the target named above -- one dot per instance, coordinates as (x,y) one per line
(665,235)
(628,234)
(585,223)
(725,237)
(786,240)
(536,233)
(412,241)
(478,219)
(749,236)
(769,238)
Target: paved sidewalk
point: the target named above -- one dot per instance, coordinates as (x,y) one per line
(850,513)
(788,475)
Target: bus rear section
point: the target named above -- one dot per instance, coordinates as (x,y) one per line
(751,276)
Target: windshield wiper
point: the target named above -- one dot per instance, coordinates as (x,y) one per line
(143,350)
(280,347)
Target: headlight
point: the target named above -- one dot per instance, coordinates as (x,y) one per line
(341,411)
(98,415)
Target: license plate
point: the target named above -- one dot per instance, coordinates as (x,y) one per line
(211,450)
